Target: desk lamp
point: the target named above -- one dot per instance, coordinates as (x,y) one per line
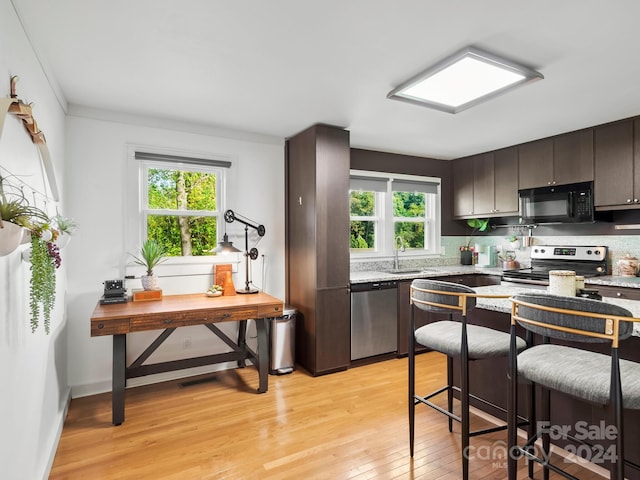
(230,217)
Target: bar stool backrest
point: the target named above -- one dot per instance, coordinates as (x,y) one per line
(571,318)
(442,297)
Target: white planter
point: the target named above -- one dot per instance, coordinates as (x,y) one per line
(149,282)
(62,240)
(10,237)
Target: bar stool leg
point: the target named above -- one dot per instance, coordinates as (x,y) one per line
(412,377)
(531,416)
(617,467)
(450,390)
(464,398)
(546,444)
(512,409)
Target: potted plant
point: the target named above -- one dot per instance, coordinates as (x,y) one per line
(44,259)
(466,251)
(63,227)
(15,215)
(151,254)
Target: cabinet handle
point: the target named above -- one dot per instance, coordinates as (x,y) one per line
(628,200)
(635,200)
(618,294)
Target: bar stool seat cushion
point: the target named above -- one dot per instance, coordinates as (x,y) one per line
(580,373)
(445,337)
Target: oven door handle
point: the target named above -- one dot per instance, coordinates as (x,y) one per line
(525,281)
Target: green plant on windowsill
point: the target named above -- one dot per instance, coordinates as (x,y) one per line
(150,255)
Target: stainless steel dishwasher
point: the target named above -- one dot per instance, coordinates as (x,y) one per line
(374,318)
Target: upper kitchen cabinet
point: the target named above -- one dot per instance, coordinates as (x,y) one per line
(486,185)
(535,164)
(317,252)
(463,187)
(573,157)
(617,166)
(505,174)
(560,160)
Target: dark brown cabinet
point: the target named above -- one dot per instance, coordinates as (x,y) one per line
(486,185)
(463,187)
(617,166)
(567,158)
(317,253)
(573,157)
(535,164)
(505,174)
(617,292)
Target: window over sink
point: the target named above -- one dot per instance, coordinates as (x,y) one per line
(391,210)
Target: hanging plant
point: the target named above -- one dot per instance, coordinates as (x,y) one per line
(45,258)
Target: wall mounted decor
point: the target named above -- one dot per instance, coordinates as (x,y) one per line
(23,111)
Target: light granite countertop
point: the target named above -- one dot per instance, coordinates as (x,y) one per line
(427,272)
(442,271)
(503,305)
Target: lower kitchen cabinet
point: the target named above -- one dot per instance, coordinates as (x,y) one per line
(617,292)
(323,333)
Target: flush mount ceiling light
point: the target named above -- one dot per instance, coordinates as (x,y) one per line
(463,80)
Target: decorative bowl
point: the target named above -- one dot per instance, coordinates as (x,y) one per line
(213,294)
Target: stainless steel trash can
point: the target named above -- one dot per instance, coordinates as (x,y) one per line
(282,333)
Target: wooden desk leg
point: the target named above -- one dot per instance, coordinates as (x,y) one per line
(263,355)
(119,380)
(242,342)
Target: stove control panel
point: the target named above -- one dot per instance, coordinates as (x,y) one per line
(564,252)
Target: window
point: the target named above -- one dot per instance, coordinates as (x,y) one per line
(384,207)
(181,202)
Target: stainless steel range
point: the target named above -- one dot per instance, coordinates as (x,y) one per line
(589,261)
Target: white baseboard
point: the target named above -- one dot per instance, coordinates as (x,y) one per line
(54,446)
(89,389)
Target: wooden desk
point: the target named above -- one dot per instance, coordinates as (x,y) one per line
(175,311)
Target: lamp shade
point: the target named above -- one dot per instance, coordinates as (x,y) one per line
(225,246)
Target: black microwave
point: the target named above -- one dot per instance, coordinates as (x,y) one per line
(571,203)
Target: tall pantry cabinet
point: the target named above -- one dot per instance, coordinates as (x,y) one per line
(317,254)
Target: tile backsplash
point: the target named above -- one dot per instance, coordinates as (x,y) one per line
(619,245)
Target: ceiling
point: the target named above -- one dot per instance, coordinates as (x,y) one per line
(276,67)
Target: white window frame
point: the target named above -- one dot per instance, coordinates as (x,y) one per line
(384,229)
(135,216)
(219,172)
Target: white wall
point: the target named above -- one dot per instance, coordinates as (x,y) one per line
(33,366)
(97,178)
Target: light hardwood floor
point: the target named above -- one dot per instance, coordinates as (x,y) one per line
(347,425)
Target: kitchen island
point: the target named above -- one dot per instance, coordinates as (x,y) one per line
(487,383)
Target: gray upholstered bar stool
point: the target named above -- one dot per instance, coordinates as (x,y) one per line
(454,338)
(597,378)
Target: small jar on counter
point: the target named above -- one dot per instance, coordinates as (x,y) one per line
(579,283)
(628,266)
(562,282)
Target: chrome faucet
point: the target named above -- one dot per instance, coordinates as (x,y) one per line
(398,241)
